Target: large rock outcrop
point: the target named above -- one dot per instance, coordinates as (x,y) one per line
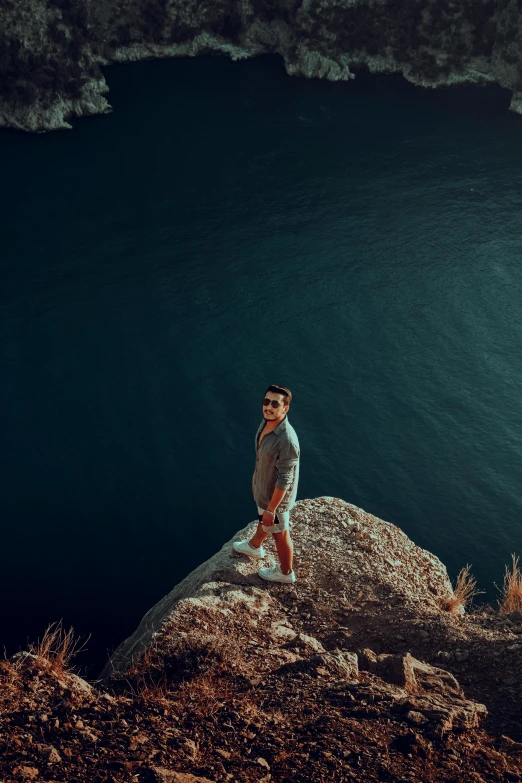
(354,672)
(343,556)
(51,51)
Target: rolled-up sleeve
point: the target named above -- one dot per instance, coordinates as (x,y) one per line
(285,465)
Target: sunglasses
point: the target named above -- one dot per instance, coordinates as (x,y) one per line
(274,403)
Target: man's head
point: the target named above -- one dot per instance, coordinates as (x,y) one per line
(276,403)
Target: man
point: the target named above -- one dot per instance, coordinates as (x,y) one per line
(274,485)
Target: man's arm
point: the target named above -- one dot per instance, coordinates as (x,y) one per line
(285,469)
(277,496)
(285,465)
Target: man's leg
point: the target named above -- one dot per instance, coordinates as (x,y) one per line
(259,536)
(285,550)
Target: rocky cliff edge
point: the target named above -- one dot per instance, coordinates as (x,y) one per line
(356,672)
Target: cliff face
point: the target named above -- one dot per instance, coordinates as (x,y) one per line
(364,590)
(353,673)
(51,51)
(344,559)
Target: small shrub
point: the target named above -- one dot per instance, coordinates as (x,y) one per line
(123,36)
(266,10)
(56,33)
(203,697)
(464,591)
(181,32)
(57,647)
(24,92)
(150,687)
(511,599)
(153,19)
(228,25)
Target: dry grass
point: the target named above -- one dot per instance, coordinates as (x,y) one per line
(143,663)
(195,654)
(57,647)
(252,712)
(511,599)
(11,684)
(184,657)
(151,690)
(191,675)
(199,698)
(464,591)
(203,696)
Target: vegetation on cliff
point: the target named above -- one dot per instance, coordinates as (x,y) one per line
(51,50)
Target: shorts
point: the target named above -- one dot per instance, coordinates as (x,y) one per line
(282,521)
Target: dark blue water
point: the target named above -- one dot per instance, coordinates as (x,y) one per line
(229,227)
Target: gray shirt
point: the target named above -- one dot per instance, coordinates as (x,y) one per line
(277,465)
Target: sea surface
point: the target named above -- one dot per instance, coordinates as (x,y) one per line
(228,227)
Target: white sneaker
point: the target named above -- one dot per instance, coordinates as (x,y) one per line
(244,548)
(276,575)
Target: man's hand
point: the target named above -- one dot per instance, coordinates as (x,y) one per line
(268,519)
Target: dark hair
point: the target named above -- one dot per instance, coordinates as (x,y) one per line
(281,390)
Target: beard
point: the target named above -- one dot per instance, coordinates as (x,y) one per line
(275,415)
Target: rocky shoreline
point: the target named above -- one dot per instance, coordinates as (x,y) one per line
(52,51)
(358,671)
